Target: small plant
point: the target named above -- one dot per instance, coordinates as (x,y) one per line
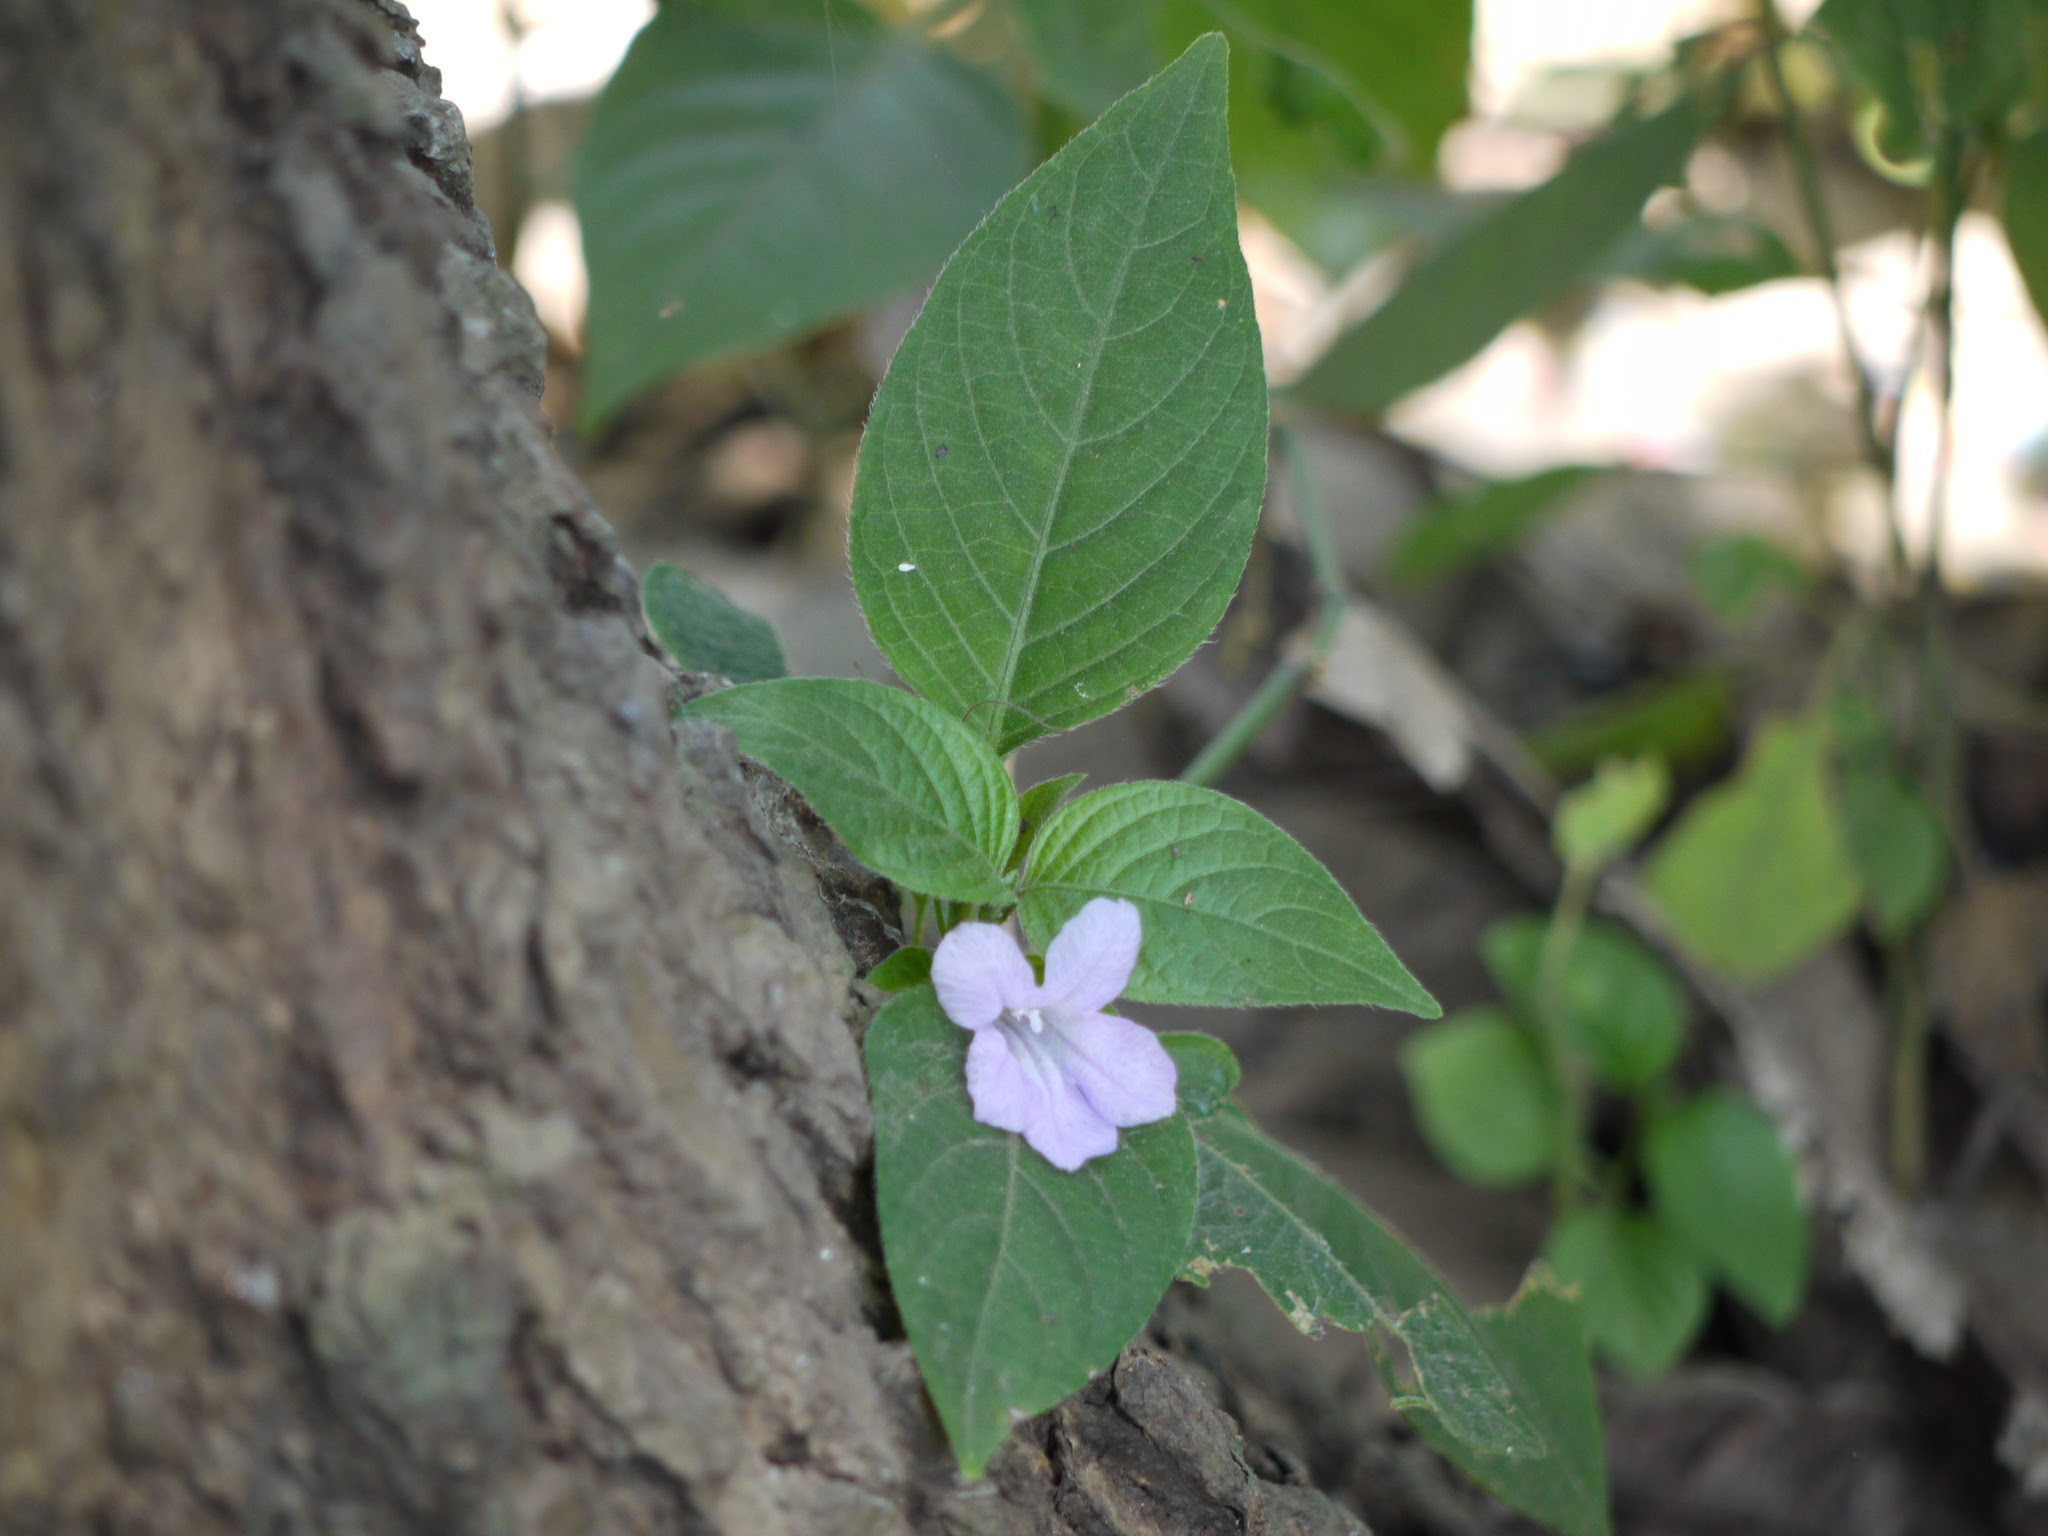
(1056,496)
(1687,1191)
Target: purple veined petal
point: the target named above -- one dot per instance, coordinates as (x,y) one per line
(1004,1095)
(1067,1130)
(978,972)
(1023,1090)
(1120,1068)
(1089,961)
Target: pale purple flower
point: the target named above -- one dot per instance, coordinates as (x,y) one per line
(1046,1060)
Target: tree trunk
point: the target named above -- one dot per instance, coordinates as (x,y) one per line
(429,1099)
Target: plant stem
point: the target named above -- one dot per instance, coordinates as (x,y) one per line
(1937,745)
(1305,650)
(1911,1027)
(1552,967)
(1806,173)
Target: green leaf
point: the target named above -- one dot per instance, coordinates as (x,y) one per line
(706,631)
(1897,843)
(910,966)
(2026,214)
(1930,60)
(1464,529)
(748,175)
(1063,468)
(1724,1182)
(914,794)
(1485,1099)
(1088,53)
(1540,1338)
(1236,912)
(1208,1072)
(1299,136)
(1324,1259)
(1682,719)
(1645,1297)
(1736,573)
(1518,257)
(1601,819)
(1884,42)
(1403,63)
(1712,254)
(1754,878)
(1622,1007)
(1034,805)
(1016,1282)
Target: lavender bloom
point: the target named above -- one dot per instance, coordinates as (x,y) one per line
(1046,1061)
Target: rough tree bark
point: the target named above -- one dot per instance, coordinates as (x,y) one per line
(428,1100)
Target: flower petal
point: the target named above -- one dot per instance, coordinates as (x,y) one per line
(1003,1093)
(978,972)
(1025,1092)
(1120,1068)
(1067,1131)
(1089,961)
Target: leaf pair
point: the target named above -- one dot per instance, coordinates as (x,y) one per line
(1724,1206)
(1234,909)
(1488,1097)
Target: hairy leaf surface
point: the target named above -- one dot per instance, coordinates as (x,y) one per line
(1062,470)
(1016,1282)
(912,792)
(1235,910)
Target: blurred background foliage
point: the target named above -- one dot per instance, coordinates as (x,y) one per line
(1647,625)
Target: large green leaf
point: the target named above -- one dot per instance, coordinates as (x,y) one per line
(1016,1282)
(750,173)
(1062,470)
(1088,53)
(1324,1259)
(2026,214)
(1519,256)
(914,794)
(1754,878)
(1484,1098)
(1725,1183)
(1235,910)
(1540,1337)
(706,631)
(1645,1296)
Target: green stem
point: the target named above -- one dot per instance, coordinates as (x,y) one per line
(1806,173)
(1912,1021)
(1552,966)
(1308,648)
(916,935)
